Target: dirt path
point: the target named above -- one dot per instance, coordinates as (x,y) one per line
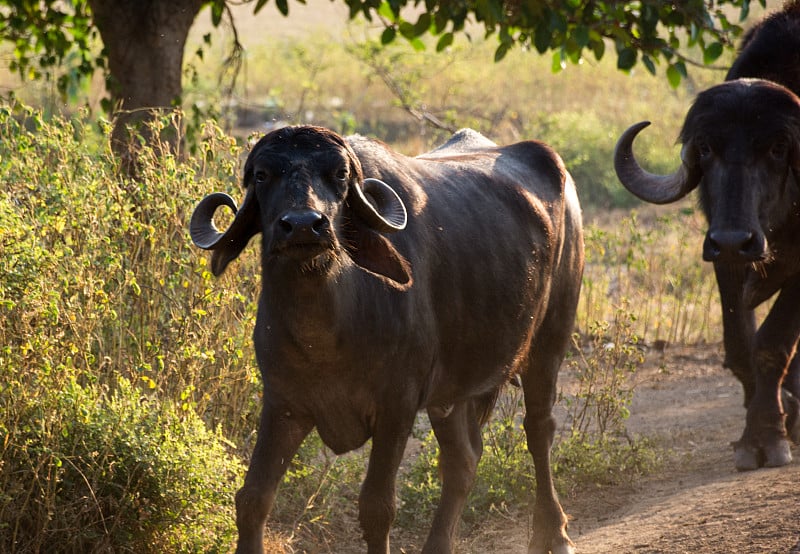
(696,504)
(699,503)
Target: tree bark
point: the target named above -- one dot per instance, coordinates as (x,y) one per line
(144,41)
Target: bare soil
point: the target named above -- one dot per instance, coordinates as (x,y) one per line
(698,502)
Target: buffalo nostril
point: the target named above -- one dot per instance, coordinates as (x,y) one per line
(285,225)
(320,225)
(303,224)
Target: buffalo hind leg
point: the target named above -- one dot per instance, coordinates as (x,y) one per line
(764,441)
(460,448)
(539,385)
(279,437)
(549,520)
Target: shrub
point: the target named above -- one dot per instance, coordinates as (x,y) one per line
(108,361)
(90,469)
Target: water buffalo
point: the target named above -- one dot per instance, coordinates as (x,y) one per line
(741,149)
(393,284)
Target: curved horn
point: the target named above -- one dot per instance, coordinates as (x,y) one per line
(657,189)
(204,233)
(380,206)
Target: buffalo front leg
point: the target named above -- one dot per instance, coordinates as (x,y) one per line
(460,447)
(279,436)
(764,440)
(790,396)
(376,503)
(738,326)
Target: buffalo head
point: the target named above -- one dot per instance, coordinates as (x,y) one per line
(741,145)
(306,193)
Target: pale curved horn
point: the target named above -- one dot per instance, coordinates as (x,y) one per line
(380,206)
(657,189)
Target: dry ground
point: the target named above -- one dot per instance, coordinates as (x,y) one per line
(698,503)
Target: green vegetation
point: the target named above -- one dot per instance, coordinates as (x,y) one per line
(116,391)
(128,388)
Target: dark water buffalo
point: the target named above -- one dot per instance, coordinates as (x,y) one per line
(394,284)
(741,148)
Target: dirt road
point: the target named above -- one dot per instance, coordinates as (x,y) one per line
(696,504)
(699,503)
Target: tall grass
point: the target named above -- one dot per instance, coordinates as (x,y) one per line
(117,391)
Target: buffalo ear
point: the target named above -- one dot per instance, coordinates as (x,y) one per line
(374,253)
(245,225)
(378,205)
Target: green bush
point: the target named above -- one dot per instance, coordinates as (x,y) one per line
(112,372)
(88,469)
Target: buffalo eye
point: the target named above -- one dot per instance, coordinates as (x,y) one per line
(779,150)
(342,175)
(703,148)
(260,177)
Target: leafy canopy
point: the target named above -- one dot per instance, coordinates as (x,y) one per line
(46,34)
(644,30)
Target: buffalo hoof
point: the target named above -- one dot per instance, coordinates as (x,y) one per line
(748,457)
(791,406)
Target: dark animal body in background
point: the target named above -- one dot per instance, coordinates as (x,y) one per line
(393,284)
(741,148)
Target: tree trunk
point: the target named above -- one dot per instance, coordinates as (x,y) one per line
(144,40)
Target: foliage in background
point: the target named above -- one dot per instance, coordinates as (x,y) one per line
(648,31)
(653,261)
(49,35)
(88,469)
(595,447)
(112,369)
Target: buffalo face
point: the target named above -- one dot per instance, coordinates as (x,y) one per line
(741,145)
(306,193)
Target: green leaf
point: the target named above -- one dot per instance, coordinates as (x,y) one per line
(542,37)
(581,35)
(712,52)
(423,24)
(283,6)
(385,10)
(217,9)
(745,11)
(407,30)
(599,48)
(388,35)
(559,61)
(444,42)
(417,44)
(648,63)
(260,4)
(673,76)
(626,58)
(501,51)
